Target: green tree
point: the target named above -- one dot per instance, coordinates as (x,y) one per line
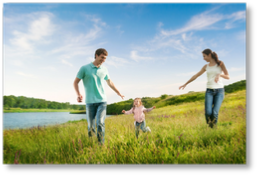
(163,96)
(9,101)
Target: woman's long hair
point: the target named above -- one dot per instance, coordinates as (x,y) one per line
(213,55)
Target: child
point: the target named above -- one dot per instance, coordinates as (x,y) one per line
(138,110)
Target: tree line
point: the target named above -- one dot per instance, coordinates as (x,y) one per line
(166,100)
(115,108)
(33,103)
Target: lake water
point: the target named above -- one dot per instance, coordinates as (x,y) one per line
(34,119)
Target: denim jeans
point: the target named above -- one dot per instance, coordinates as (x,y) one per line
(143,127)
(96,112)
(213,100)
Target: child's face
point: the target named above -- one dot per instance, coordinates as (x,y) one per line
(137,102)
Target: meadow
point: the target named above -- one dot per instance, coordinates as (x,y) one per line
(179,135)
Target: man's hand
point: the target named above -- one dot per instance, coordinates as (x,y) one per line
(154,107)
(123,111)
(112,86)
(122,96)
(79,98)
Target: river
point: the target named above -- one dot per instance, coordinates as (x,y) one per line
(34,119)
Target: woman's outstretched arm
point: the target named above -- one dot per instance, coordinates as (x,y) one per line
(194,77)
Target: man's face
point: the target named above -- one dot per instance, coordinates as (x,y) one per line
(101,58)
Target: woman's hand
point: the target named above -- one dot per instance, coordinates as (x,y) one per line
(217,78)
(182,87)
(123,111)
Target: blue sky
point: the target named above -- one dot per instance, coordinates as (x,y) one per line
(153,48)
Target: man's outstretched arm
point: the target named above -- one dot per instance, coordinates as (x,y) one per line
(76,87)
(112,86)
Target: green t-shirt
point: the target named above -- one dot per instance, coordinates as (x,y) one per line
(93,81)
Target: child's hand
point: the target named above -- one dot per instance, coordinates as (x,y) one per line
(154,107)
(123,111)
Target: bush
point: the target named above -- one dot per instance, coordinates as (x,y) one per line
(163,96)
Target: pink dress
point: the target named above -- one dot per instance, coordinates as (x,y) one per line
(139,113)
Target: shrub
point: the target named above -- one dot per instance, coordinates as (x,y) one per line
(163,96)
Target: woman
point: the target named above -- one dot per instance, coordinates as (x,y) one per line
(215,89)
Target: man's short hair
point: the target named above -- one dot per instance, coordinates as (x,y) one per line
(100,51)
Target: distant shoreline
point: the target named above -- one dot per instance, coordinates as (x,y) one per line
(20,110)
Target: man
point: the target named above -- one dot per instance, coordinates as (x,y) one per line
(93,76)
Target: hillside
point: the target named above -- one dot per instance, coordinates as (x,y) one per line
(21,103)
(165,100)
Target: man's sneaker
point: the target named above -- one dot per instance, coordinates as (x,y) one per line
(149,130)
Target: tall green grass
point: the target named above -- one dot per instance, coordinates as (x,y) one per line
(179,136)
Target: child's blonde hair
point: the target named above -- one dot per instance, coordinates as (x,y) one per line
(134,101)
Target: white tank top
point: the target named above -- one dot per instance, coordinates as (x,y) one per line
(212,72)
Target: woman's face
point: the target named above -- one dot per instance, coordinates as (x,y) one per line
(137,102)
(206,57)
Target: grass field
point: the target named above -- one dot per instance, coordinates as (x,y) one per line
(179,136)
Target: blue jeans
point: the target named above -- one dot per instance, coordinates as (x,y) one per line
(213,100)
(96,112)
(143,127)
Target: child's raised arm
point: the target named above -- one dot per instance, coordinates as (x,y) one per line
(148,109)
(128,112)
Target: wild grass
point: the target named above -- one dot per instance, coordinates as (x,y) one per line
(179,136)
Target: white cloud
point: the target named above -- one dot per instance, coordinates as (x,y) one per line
(50,68)
(186,74)
(205,21)
(67,63)
(241,36)
(81,44)
(40,28)
(26,75)
(96,20)
(236,69)
(92,34)
(237,16)
(35,33)
(181,42)
(240,15)
(119,29)
(198,22)
(116,61)
(184,36)
(134,55)
(160,24)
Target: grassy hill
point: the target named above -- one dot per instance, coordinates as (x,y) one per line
(179,136)
(166,100)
